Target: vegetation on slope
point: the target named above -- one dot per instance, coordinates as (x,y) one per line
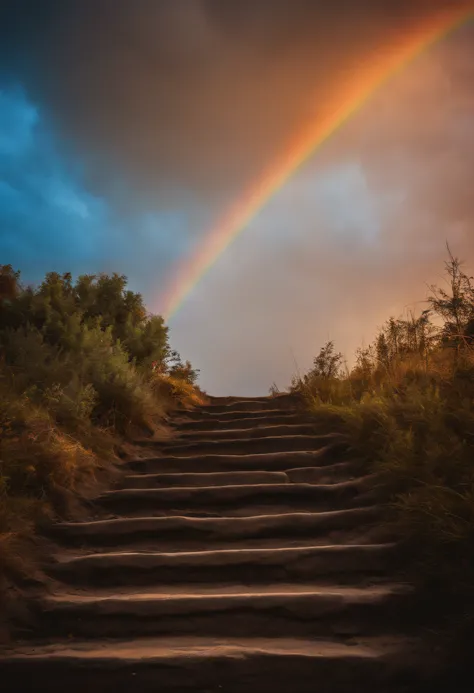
(83,367)
(408,406)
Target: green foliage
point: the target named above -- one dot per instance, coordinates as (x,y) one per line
(78,368)
(59,309)
(93,342)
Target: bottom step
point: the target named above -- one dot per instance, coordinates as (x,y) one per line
(250,665)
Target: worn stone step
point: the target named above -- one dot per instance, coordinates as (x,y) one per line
(205,664)
(236,500)
(233,414)
(310,475)
(290,443)
(226,404)
(323,611)
(237,548)
(241,405)
(214,423)
(282,399)
(330,451)
(251,566)
(246,433)
(203,479)
(207,531)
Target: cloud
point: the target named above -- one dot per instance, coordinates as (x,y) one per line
(50,220)
(141,122)
(46,218)
(354,237)
(197,96)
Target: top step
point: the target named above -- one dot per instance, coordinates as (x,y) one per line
(215,414)
(227,404)
(284,397)
(213,422)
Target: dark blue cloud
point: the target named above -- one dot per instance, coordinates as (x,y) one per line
(49,220)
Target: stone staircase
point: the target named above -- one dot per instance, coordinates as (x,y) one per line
(246,556)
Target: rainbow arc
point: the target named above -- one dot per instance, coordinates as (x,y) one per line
(348,99)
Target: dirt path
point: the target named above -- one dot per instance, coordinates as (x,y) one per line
(245,558)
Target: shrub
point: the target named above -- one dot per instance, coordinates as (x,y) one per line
(88,350)
(78,369)
(408,408)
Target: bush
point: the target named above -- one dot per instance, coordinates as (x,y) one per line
(177,389)
(78,370)
(87,350)
(408,408)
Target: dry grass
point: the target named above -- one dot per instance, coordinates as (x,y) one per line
(415,423)
(177,391)
(39,465)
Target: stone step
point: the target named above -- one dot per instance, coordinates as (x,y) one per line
(247,555)
(207,531)
(284,399)
(247,433)
(289,443)
(233,414)
(214,423)
(238,500)
(310,475)
(252,566)
(204,664)
(226,404)
(329,452)
(203,479)
(242,405)
(323,611)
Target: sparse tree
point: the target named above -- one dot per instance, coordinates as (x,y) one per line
(327,364)
(365,362)
(456,305)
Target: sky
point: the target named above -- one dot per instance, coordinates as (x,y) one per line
(128,129)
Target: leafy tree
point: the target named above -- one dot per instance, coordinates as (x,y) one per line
(58,308)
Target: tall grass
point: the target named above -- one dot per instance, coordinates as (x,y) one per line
(408,408)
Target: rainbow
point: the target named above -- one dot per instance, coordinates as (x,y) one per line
(350,97)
